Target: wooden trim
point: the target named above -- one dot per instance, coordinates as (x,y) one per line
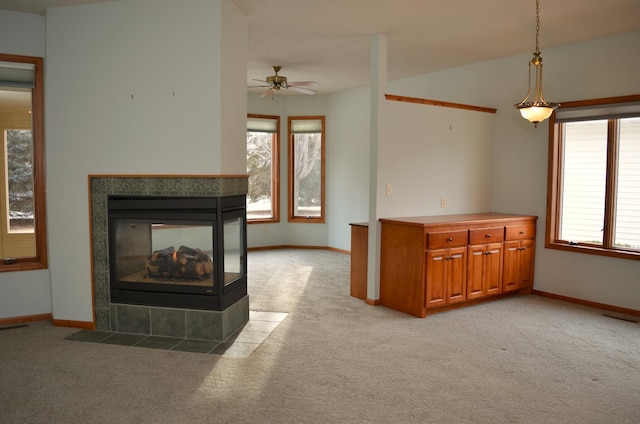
(335,249)
(291,246)
(86,325)
(589,303)
(372,302)
(167,176)
(601,101)
(25,318)
(93,279)
(439,103)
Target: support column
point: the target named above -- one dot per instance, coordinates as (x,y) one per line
(378,89)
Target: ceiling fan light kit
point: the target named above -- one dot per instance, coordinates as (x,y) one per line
(537,109)
(277,82)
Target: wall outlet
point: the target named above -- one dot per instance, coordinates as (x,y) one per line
(389,189)
(443,202)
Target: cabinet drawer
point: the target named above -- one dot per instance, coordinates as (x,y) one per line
(447,239)
(486,235)
(520,232)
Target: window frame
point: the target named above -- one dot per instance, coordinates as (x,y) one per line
(275,173)
(554,184)
(39,261)
(290,172)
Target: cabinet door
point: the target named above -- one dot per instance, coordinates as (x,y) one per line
(510,271)
(518,264)
(492,276)
(456,275)
(475,272)
(484,276)
(435,277)
(526,255)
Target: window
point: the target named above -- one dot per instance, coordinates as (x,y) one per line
(594,177)
(263,147)
(306,169)
(22,199)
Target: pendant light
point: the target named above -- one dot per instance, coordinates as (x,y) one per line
(537,109)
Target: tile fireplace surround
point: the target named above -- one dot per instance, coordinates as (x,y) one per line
(171,322)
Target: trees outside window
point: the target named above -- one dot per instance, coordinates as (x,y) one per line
(263,147)
(306,169)
(19,179)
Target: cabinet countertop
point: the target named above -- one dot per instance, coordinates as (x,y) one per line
(476,218)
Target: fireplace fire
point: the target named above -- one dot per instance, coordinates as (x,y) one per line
(206,271)
(182,264)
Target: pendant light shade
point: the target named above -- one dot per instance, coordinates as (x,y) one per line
(534,107)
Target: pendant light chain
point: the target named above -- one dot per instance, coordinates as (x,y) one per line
(537,26)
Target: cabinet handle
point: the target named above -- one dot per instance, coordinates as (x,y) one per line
(521,248)
(521,233)
(487,253)
(450,239)
(488,236)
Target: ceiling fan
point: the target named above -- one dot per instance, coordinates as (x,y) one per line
(276,82)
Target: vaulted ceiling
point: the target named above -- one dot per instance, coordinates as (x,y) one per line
(329,41)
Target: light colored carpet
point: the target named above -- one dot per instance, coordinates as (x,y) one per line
(335,359)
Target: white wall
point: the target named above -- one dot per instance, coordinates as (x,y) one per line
(134,87)
(433,152)
(27,292)
(347,166)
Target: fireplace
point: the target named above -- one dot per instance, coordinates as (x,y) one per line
(204,213)
(177,251)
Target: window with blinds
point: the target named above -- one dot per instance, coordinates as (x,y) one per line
(22,204)
(263,147)
(594,177)
(306,169)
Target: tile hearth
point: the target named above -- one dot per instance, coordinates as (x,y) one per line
(238,345)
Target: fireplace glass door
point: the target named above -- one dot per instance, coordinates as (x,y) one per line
(175,254)
(183,252)
(234,265)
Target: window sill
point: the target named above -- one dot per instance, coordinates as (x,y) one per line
(308,220)
(594,250)
(263,221)
(22,266)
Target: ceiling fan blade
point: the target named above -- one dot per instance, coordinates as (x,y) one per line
(260,80)
(303,90)
(302,84)
(257,86)
(267,93)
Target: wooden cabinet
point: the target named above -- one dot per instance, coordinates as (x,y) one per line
(485,270)
(359,254)
(485,262)
(434,263)
(446,269)
(446,276)
(519,248)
